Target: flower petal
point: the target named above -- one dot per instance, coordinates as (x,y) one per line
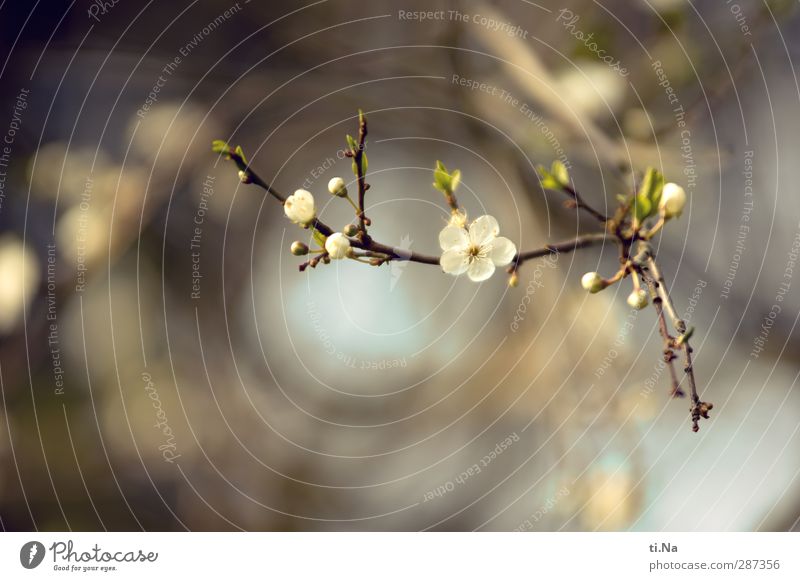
(480,269)
(454,262)
(503,251)
(483,230)
(452,237)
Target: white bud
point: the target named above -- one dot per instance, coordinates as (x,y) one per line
(638,299)
(337,187)
(337,245)
(673,199)
(299,207)
(593,282)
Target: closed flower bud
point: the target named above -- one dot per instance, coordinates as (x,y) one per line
(638,299)
(593,282)
(350,230)
(673,200)
(245,177)
(513,280)
(337,245)
(337,188)
(299,249)
(299,207)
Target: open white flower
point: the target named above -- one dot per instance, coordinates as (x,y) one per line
(299,207)
(337,245)
(476,250)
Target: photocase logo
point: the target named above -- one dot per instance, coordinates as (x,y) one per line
(31,554)
(396,267)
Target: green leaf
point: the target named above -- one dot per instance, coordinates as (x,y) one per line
(651,187)
(546,178)
(361,118)
(240,153)
(642,208)
(648,196)
(364,163)
(455,179)
(441,180)
(220,146)
(351,143)
(560,173)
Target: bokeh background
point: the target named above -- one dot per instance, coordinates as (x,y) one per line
(164,365)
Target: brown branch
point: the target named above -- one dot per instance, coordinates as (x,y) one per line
(699,408)
(669,341)
(566,246)
(581,204)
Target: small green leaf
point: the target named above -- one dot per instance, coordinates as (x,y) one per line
(240,153)
(361,117)
(642,208)
(651,187)
(220,146)
(455,179)
(560,173)
(364,163)
(546,178)
(441,180)
(351,143)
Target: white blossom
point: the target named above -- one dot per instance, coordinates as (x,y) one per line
(337,245)
(337,187)
(673,200)
(299,207)
(476,250)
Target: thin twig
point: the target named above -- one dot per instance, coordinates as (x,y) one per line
(699,408)
(358,156)
(669,341)
(566,246)
(583,205)
(677,322)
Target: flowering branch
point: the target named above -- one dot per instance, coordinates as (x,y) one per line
(476,249)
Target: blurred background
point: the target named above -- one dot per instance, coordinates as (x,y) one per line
(164,365)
